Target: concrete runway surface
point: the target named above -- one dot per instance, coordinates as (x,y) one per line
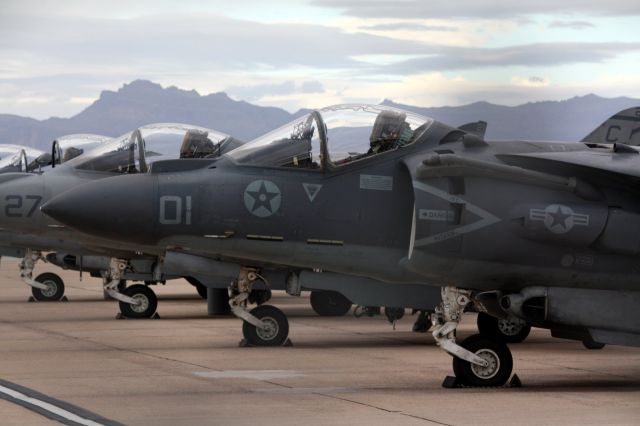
(187,369)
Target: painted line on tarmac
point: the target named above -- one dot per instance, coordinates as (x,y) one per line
(51,408)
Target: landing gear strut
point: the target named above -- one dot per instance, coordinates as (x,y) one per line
(478,360)
(136,301)
(47,287)
(264,325)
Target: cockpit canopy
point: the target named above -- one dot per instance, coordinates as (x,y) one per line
(334,136)
(16,158)
(134,152)
(68,147)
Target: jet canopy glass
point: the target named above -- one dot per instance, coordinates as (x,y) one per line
(334,136)
(134,152)
(16,158)
(68,147)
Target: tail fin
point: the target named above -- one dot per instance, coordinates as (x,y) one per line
(477,128)
(623,127)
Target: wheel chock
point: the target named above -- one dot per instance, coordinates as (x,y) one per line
(120,316)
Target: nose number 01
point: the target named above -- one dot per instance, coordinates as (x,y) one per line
(172,211)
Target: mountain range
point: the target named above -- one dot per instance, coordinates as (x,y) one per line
(143,102)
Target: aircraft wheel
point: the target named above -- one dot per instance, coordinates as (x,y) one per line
(276,332)
(512,330)
(394,314)
(147,302)
(259,297)
(329,303)
(54,291)
(496,353)
(592,344)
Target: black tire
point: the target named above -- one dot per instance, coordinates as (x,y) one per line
(394,314)
(148,302)
(496,352)
(55,290)
(329,303)
(592,344)
(277,332)
(504,330)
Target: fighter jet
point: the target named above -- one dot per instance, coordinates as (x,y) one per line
(543,231)
(16,158)
(26,233)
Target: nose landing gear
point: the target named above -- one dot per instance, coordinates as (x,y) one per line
(47,287)
(136,301)
(264,325)
(478,360)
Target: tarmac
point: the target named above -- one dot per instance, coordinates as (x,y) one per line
(186,368)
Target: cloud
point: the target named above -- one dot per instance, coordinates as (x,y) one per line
(182,42)
(484,9)
(312,87)
(574,25)
(259,91)
(541,54)
(405,26)
(533,81)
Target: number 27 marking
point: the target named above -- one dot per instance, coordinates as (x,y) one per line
(15,203)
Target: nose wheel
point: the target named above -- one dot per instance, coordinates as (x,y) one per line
(145,302)
(54,288)
(264,325)
(275,327)
(498,359)
(477,361)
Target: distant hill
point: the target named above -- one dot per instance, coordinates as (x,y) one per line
(568,120)
(142,102)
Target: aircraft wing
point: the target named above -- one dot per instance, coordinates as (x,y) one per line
(620,163)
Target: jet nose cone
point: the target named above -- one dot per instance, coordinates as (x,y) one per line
(118,208)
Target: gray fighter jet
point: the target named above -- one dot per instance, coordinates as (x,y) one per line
(26,233)
(26,160)
(544,231)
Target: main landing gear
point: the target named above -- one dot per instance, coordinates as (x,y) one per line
(329,303)
(478,360)
(510,330)
(47,287)
(264,325)
(136,301)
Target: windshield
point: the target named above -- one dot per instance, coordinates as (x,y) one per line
(135,151)
(334,136)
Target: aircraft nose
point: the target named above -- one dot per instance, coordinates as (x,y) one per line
(118,208)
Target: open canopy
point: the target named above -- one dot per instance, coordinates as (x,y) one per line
(135,151)
(334,136)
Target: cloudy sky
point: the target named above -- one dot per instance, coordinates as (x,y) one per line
(56,56)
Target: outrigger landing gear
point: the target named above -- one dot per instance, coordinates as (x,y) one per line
(47,287)
(264,325)
(478,360)
(136,301)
